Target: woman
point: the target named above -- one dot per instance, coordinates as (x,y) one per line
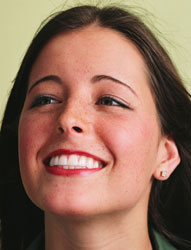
(102,122)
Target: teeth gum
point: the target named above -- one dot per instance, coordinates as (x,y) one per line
(74,162)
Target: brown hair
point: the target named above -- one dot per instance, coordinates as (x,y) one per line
(170,201)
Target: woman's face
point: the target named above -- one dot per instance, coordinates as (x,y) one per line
(89,135)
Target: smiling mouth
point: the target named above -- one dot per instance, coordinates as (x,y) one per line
(74,162)
(68,160)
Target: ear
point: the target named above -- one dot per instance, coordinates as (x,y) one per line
(167,159)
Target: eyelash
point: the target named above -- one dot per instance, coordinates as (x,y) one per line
(112,100)
(47,99)
(43,100)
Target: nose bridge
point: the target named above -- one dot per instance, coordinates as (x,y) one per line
(74,110)
(73,116)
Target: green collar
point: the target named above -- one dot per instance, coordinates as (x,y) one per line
(161,242)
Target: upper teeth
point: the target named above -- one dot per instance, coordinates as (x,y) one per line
(74,162)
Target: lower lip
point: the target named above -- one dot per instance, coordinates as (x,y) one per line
(71,172)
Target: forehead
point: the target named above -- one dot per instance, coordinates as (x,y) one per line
(93,50)
(90,47)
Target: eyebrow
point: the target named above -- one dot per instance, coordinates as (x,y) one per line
(45,79)
(98,78)
(95,79)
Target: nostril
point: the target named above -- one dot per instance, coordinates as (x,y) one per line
(77,129)
(61,130)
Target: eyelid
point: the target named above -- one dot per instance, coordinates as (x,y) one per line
(121,103)
(41,96)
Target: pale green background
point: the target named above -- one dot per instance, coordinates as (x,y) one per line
(19,20)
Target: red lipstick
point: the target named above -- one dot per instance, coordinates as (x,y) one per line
(71,172)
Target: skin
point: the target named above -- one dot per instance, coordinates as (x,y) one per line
(82,212)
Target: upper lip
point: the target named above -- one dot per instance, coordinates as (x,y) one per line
(70,152)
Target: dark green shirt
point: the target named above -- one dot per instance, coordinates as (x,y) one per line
(160,241)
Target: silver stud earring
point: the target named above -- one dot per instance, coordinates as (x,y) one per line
(163,173)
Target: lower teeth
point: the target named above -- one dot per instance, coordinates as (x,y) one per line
(74,167)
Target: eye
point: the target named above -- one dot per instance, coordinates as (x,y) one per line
(43,100)
(111,101)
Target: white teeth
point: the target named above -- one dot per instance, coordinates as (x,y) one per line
(82,161)
(74,162)
(63,160)
(96,164)
(51,162)
(90,163)
(56,160)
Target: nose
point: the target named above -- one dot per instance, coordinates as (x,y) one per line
(73,120)
(73,129)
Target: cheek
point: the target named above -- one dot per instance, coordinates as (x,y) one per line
(130,135)
(30,136)
(33,134)
(133,143)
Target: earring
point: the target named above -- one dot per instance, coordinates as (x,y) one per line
(163,173)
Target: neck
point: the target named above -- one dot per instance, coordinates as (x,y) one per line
(111,232)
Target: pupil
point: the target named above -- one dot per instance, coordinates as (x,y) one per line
(45,101)
(107,102)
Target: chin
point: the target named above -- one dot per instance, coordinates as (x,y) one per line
(75,208)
